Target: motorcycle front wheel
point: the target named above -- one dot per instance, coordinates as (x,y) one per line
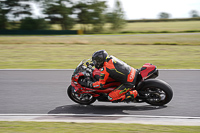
(83,99)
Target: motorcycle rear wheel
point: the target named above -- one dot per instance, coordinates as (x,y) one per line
(158,92)
(83,99)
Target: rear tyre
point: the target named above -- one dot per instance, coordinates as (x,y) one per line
(83,99)
(157,92)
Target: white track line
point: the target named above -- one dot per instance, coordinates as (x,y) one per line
(104,115)
(103,118)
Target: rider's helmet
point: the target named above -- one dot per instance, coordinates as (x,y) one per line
(99,58)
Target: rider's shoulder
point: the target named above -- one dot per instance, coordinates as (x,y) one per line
(111,57)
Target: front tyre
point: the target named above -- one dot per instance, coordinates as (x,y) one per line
(157,92)
(83,99)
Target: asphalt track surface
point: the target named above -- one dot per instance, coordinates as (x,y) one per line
(44,92)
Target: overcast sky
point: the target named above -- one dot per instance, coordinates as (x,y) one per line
(149,9)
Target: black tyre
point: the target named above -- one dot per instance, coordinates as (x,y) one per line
(158,92)
(83,99)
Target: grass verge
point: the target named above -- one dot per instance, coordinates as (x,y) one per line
(150,27)
(61,56)
(62,127)
(169,51)
(130,39)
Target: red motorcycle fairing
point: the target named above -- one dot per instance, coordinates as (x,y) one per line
(148,70)
(81,90)
(76,77)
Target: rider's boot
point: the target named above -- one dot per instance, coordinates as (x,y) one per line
(129,96)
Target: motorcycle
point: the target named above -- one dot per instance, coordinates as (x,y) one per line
(150,90)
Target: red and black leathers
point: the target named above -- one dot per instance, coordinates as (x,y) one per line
(121,72)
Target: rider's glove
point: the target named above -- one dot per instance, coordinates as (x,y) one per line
(89,84)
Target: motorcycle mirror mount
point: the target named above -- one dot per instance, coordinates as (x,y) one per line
(87,63)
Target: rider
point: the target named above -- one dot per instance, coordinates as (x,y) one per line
(118,70)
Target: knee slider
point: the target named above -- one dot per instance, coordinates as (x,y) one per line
(129,85)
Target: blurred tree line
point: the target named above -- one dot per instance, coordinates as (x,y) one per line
(192,13)
(91,14)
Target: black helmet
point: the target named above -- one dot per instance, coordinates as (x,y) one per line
(99,58)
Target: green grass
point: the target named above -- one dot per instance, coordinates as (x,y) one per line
(163,26)
(169,51)
(145,39)
(62,127)
(150,27)
(62,56)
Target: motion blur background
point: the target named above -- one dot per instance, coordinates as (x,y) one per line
(58,34)
(92,15)
(163,33)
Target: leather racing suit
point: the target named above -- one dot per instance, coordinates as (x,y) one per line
(121,72)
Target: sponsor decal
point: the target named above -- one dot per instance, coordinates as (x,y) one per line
(131,76)
(125,90)
(96,86)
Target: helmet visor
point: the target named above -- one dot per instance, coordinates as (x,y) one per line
(98,64)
